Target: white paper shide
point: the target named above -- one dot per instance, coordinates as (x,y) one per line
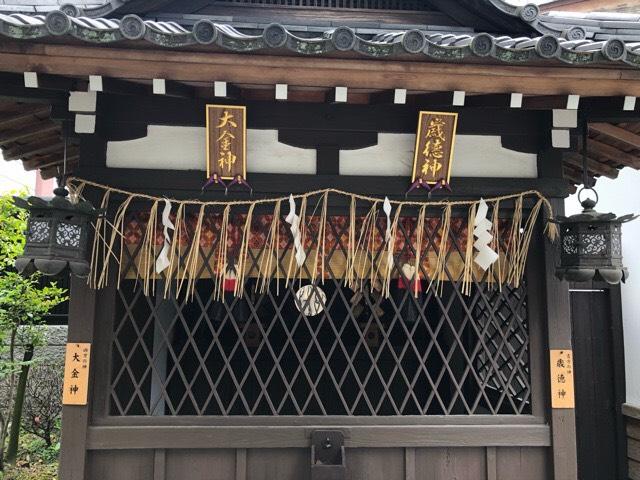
(482,233)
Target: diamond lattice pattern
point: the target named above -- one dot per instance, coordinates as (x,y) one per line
(437,352)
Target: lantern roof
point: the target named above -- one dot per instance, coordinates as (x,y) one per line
(591,215)
(57,202)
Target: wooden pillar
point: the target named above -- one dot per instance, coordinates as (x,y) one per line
(75,419)
(563,421)
(162,338)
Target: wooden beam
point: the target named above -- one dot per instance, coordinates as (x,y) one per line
(25,113)
(46,161)
(12,86)
(558,319)
(44,146)
(82,318)
(549,162)
(616,102)
(616,133)
(186,184)
(499,100)
(161,110)
(385,97)
(317,72)
(613,154)
(328,160)
(172,88)
(437,99)
(27,95)
(311,139)
(124,87)
(55,170)
(545,102)
(593,166)
(572,174)
(189,437)
(226,90)
(45,81)
(40,128)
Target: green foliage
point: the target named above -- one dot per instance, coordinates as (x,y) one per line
(23,304)
(23,301)
(13,222)
(36,461)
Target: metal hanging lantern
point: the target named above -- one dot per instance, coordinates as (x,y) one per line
(57,234)
(591,245)
(591,242)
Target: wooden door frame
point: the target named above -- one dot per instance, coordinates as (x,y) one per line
(614,302)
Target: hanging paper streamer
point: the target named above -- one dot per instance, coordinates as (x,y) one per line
(294,220)
(162,262)
(444,240)
(482,231)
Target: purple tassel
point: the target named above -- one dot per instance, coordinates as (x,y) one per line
(215,178)
(240,181)
(416,185)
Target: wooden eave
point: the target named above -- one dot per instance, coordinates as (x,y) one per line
(135,63)
(67,67)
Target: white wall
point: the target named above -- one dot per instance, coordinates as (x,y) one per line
(474,156)
(622,196)
(183,148)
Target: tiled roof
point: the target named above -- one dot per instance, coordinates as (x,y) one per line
(435,46)
(39,6)
(526,18)
(596,25)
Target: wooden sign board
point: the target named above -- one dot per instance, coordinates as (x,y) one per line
(76,374)
(562,391)
(434,147)
(226,141)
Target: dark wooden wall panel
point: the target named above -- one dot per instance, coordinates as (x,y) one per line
(283,464)
(375,463)
(200,464)
(633,446)
(599,380)
(524,463)
(121,465)
(451,463)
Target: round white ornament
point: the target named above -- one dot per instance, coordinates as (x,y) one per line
(310,300)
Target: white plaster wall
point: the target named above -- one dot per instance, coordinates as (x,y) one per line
(183,148)
(474,156)
(622,196)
